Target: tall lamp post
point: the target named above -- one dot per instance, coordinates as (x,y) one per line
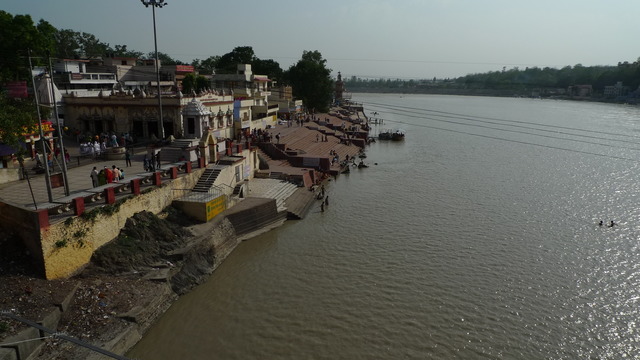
(154,4)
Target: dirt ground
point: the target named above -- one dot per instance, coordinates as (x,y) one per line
(109,287)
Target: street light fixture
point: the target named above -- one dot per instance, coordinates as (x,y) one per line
(154,4)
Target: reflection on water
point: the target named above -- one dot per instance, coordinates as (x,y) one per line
(471,239)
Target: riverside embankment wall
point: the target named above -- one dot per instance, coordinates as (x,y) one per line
(67,246)
(62,249)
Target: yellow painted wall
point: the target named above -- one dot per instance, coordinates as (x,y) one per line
(67,247)
(216,206)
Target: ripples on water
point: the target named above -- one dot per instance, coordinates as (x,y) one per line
(463,242)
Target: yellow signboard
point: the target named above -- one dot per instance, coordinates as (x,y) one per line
(216,206)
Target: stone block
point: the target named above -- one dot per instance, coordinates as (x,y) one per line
(8,354)
(63,304)
(22,347)
(51,320)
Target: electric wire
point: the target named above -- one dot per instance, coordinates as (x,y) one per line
(529,133)
(425,116)
(467,117)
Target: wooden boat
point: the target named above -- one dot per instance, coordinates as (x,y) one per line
(385,135)
(395,135)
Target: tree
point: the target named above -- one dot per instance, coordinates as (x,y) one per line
(192,83)
(311,81)
(91,46)
(228,63)
(122,51)
(18,35)
(67,45)
(202,83)
(165,59)
(189,83)
(267,67)
(16,115)
(207,66)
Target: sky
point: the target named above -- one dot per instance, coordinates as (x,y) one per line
(404,39)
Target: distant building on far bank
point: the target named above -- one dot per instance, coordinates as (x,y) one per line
(615,91)
(580,90)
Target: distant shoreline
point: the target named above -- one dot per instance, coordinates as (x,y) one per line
(481,92)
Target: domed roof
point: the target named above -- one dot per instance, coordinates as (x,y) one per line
(196,108)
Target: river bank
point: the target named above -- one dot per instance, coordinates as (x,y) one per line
(129,283)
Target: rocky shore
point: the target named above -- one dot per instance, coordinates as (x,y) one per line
(130,282)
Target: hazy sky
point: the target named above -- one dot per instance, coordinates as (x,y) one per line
(366,38)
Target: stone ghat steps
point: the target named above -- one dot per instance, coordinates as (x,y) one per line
(272,189)
(280,193)
(305,138)
(272,162)
(299,203)
(207,179)
(253,214)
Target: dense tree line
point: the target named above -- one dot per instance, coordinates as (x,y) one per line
(534,77)
(516,79)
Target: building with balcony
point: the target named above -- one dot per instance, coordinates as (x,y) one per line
(128,102)
(251,93)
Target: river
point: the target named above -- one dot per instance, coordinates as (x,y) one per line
(475,238)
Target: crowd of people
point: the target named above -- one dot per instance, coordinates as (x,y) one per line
(106,175)
(98,144)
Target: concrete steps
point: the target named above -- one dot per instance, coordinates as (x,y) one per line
(177,150)
(299,203)
(207,179)
(254,214)
(271,161)
(280,193)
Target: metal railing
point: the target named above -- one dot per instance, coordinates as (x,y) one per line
(60,336)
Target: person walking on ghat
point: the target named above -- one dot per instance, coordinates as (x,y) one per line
(127,158)
(158,160)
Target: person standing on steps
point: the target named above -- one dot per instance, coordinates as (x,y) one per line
(94,177)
